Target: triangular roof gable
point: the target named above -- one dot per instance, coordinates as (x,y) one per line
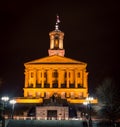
(55,59)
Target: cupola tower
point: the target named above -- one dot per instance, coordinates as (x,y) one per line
(56,41)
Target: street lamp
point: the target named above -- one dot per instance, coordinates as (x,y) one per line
(4,104)
(13,102)
(5,98)
(89,99)
(86,109)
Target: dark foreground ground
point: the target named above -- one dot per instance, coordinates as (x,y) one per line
(46,123)
(58,123)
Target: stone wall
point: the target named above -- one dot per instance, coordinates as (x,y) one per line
(62,112)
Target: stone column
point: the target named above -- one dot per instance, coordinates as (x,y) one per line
(59,78)
(72,76)
(85,79)
(67,78)
(25,93)
(75,78)
(34,84)
(38,76)
(42,78)
(29,73)
(81,78)
(50,76)
(26,78)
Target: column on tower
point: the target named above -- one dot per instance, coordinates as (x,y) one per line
(51,42)
(72,77)
(85,79)
(50,77)
(26,78)
(61,42)
(68,78)
(42,78)
(61,79)
(38,76)
(65,78)
(81,78)
(56,43)
(31,78)
(34,78)
(75,78)
(46,77)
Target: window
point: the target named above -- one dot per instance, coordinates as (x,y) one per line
(80,86)
(45,74)
(30,86)
(69,74)
(46,85)
(41,75)
(71,85)
(51,113)
(55,74)
(65,74)
(56,42)
(38,85)
(78,74)
(55,85)
(63,86)
(32,74)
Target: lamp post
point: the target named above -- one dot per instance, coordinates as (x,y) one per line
(5,98)
(13,102)
(86,109)
(4,104)
(89,99)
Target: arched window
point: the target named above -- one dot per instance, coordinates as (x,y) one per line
(56,42)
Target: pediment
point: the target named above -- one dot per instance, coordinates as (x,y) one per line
(55,60)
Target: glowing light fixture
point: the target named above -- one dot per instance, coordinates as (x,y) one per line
(13,102)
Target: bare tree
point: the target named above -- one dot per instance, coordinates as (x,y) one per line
(108,94)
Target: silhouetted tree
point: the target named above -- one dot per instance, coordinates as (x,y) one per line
(108,94)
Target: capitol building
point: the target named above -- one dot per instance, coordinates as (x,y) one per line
(55,82)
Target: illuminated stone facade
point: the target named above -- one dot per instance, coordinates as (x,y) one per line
(56,75)
(52,112)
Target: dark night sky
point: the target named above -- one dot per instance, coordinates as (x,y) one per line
(91,36)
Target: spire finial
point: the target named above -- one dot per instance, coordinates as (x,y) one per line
(57,22)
